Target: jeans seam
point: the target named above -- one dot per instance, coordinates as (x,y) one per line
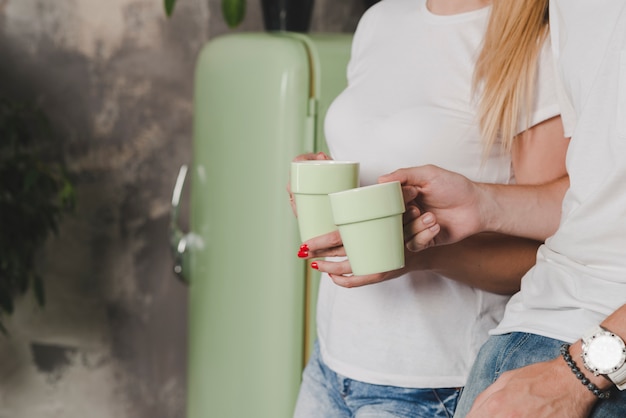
(508,352)
(445,409)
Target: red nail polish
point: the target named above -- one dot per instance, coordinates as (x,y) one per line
(304,251)
(314,265)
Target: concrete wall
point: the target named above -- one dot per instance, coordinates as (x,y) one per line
(115,77)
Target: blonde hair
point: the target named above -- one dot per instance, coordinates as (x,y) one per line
(506,67)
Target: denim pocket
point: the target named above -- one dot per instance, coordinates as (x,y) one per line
(621,96)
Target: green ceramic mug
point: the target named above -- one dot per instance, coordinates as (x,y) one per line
(311,182)
(370,223)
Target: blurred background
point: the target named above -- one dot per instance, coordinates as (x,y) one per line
(115,80)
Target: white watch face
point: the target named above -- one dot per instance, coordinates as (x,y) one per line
(604,353)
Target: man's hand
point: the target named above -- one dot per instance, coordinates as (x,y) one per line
(542,390)
(453,199)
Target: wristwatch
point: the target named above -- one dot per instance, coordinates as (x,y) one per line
(605,353)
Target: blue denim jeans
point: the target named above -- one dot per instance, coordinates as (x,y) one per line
(511,351)
(326,394)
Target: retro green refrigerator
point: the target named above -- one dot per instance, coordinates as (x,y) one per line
(259,100)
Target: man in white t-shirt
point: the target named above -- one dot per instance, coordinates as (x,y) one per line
(562,336)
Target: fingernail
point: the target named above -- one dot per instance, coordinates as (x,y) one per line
(314,265)
(428,219)
(303,254)
(304,247)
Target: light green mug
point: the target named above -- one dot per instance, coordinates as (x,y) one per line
(370,223)
(311,182)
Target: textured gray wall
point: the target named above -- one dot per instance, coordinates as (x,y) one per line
(115,77)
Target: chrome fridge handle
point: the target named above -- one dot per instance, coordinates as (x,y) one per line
(178,239)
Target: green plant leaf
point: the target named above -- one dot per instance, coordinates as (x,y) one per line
(67,194)
(35,190)
(169,6)
(233,11)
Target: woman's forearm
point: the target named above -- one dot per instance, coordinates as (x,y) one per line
(488,261)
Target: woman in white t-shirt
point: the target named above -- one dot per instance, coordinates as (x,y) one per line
(404,347)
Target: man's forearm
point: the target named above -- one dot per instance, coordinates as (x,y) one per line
(529,211)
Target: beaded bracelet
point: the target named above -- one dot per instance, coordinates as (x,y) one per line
(580,376)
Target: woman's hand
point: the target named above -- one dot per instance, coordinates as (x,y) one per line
(331,245)
(420,230)
(327,245)
(304,157)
